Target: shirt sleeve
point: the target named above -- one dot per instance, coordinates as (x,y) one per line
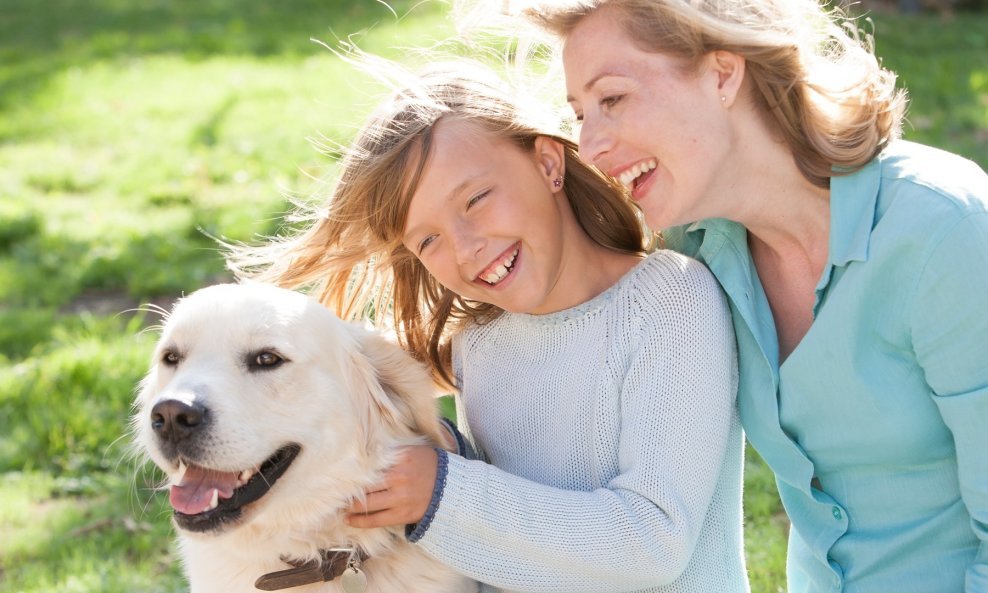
(949,332)
(678,420)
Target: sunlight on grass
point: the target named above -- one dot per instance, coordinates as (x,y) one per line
(82,535)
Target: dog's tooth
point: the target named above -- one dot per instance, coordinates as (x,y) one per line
(182,468)
(215,501)
(246,475)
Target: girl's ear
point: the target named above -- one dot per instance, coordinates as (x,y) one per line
(729,68)
(551,157)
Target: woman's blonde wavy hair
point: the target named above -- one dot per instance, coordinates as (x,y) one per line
(815,77)
(349,253)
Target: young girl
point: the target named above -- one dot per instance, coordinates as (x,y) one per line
(599,383)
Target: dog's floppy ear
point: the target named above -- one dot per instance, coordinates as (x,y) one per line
(401,390)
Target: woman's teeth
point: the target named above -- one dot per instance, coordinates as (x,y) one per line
(627,178)
(502,269)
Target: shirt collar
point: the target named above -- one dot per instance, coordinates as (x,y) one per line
(853,199)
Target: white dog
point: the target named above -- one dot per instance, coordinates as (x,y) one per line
(269,415)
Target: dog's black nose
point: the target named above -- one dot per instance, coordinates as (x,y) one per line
(174,420)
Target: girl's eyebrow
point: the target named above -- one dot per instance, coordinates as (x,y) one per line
(459,188)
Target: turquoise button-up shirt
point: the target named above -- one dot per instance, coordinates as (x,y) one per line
(876,426)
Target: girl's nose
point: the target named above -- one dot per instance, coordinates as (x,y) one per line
(467,243)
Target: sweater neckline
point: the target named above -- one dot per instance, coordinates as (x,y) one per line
(585,308)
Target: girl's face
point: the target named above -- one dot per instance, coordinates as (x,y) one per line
(649,122)
(488,222)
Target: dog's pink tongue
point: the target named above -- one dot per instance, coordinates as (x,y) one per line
(195,494)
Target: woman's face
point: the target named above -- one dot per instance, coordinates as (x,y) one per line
(661,129)
(488,222)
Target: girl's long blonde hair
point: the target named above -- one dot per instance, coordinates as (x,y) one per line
(349,253)
(818,82)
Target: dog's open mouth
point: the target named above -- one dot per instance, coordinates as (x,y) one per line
(206,499)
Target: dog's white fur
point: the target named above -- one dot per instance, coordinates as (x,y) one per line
(347,395)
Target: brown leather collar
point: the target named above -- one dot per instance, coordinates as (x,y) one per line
(332,564)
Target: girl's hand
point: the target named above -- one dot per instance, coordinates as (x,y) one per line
(403,495)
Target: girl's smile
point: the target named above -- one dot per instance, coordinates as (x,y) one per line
(501,268)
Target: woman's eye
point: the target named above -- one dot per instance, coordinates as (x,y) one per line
(611,100)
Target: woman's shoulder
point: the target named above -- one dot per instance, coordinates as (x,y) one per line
(933,177)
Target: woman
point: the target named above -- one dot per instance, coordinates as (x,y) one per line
(764,139)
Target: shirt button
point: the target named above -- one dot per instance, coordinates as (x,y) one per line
(837,513)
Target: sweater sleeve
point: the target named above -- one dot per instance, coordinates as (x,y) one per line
(676,417)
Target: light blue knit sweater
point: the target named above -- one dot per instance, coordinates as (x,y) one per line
(614,445)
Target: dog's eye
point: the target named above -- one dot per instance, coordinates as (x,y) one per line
(266,360)
(170,358)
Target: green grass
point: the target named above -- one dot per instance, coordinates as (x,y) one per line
(83,534)
(133,132)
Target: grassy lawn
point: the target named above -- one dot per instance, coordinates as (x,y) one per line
(132,132)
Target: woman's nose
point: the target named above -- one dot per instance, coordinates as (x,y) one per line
(595,141)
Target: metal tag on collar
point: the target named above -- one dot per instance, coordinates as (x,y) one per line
(353,580)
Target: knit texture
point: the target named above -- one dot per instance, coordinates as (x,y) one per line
(614,445)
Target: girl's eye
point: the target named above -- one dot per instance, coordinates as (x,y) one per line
(473,201)
(611,100)
(425,242)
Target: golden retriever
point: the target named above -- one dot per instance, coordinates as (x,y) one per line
(269,415)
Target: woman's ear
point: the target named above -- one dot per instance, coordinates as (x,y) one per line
(729,68)
(550,155)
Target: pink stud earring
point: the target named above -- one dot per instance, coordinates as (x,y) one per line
(557,182)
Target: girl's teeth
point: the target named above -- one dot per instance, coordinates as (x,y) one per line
(502,269)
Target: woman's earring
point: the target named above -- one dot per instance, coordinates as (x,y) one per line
(557,182)
(723,99)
